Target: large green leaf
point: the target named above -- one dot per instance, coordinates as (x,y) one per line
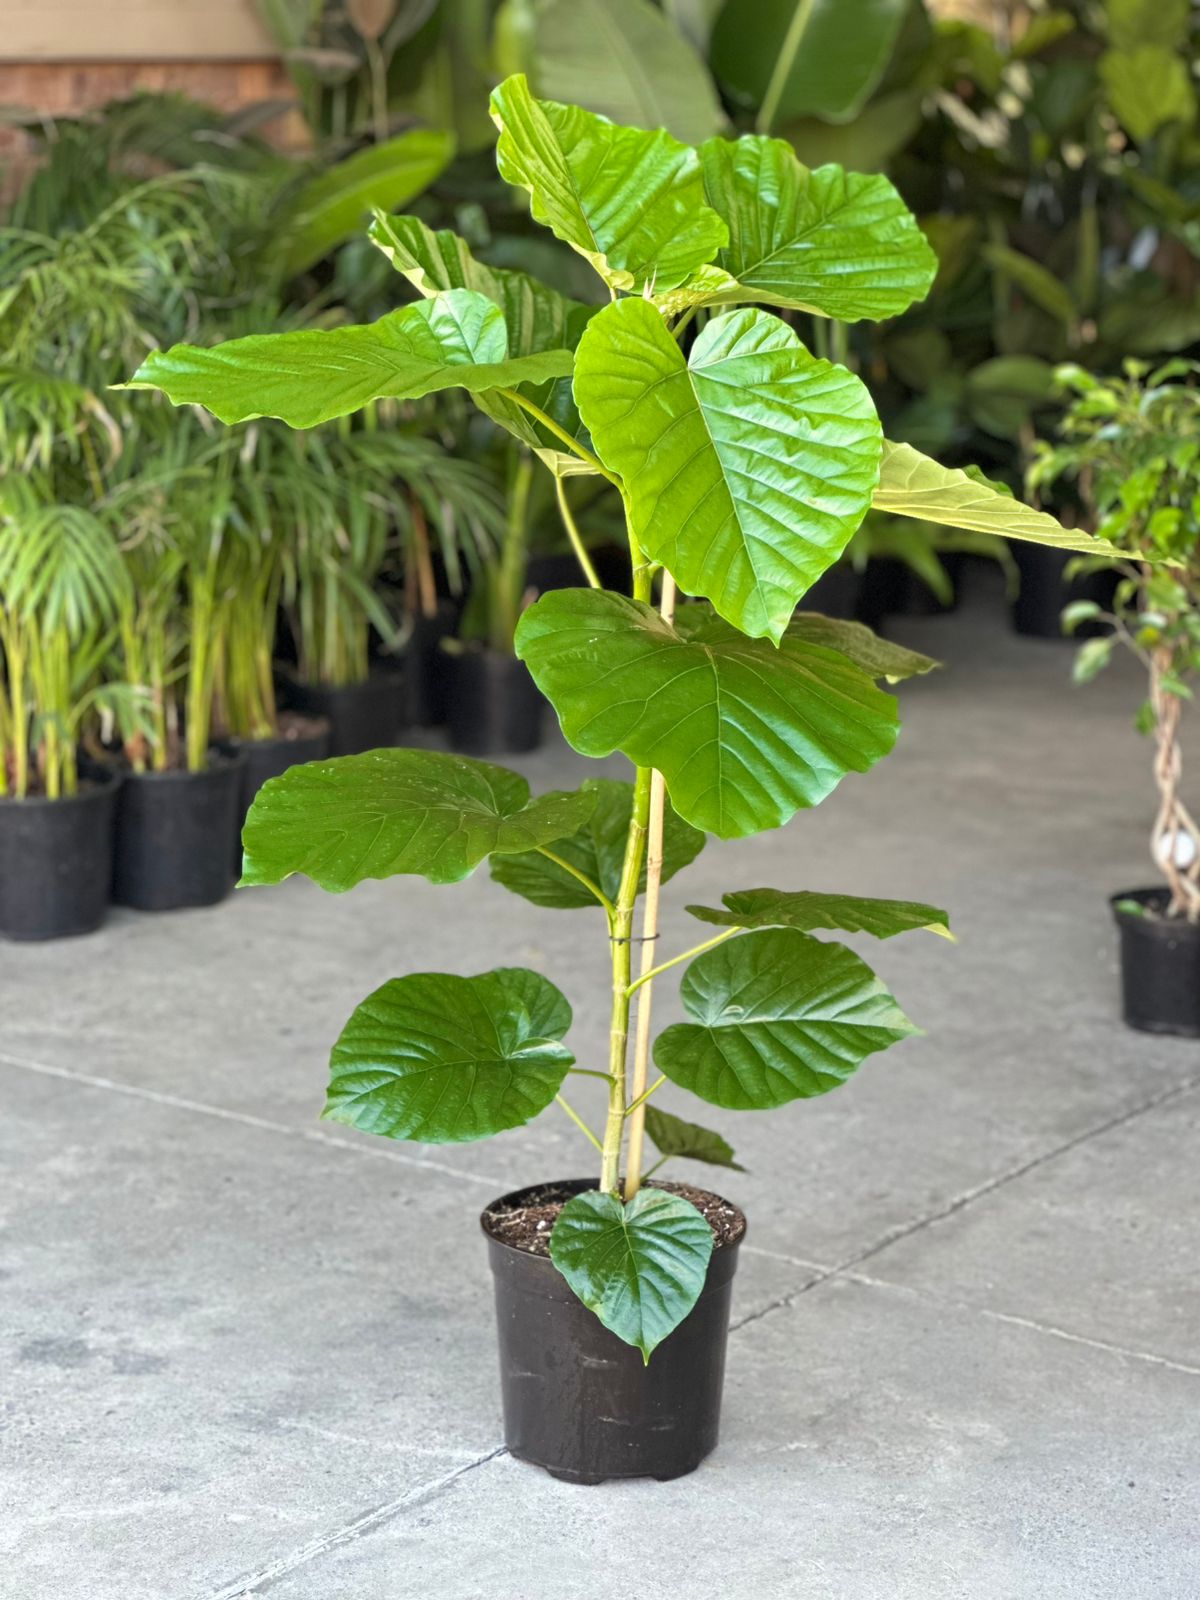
(1148,88)
(397,811)
(597,850)
(537,317)
(306,378)
(842,244)
(640,1267)
(806,910)
(777,1016)
(623,59)
(333,206)
(672,1136)
(630,202)
(747,467)
(914,485)
(880,658)
(796,58)
(745,734)
(444,1059)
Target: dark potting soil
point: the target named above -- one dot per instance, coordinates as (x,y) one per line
(528,1227)
(292,725)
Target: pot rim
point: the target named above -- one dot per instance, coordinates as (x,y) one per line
(222,759)
(1175,928)
(101,780)
(585,1186)
(236,744)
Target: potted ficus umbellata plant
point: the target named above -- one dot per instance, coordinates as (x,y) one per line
(744,465)
(1132,444)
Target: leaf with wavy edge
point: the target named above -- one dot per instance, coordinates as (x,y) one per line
(879,657)
(672,1136)
(807,909)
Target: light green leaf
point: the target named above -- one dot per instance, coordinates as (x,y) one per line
(672,1136)
(597,850)
(745,734)
(1003,393)
(913,485)
(806,910)
(309,377)
(397,811)
(1034,280)
(747,468)
(444,1059)
(842,244)
(334,206)
(1133,23)
(880,658)
(1148,88)
(630,202)
(795,58)
(640,1267)
(777,1016)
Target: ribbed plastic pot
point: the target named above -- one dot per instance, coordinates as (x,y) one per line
(1045,590)
(56,861)
(1160,966)
(580,1402)
(493,707)
(176,834)
(362,716)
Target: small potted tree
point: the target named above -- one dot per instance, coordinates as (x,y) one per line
(1132,445)
(744,465)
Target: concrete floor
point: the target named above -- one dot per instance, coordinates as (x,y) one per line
(247,1353)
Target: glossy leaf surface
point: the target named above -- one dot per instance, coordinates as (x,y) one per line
(444,1060)
(806,910)
(881,658)
(672,1136)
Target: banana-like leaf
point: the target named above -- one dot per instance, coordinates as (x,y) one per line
(640,1267)
(747,467)
(309,377)
(881,658)
(630,202)
(672,1136)
(914,485)
(776,1016)
(397,811)
(333,206)
(537,317)
(444,1059)
(806,910)
(842,244)
(745,734)
(597,850)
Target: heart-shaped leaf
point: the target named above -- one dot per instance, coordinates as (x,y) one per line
(597,850)
(747,467)
(805,909)
(308,377)
(841,244)
(777,1016)
(444,1059)
(640,1267)
(630,202)
(744,733)
(397,811)
(881,658)
(672,1136)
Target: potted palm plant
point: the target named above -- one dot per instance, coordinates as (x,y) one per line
(744,465)
(1132,446)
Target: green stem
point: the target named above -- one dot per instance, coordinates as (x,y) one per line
(591,887)
(644,1096)
(784,62)
(621,932)
(579,1122)
(696,950)
(548,422)
(577,544)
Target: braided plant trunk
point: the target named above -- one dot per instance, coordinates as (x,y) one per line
(1174,821)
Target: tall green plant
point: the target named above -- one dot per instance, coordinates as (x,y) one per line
(744,464)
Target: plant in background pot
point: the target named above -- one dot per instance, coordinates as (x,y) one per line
(1133,446)
(744,464)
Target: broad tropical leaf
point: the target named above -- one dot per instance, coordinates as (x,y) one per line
(640,1267)
(748,467)
(672,1136)
(444,1059)
(1148,88)
(597,850)
(745,734)
(842,244)
(630,202)
(306,378)
(397,811)
(777,1016)
(806,910)
(914,485)
(881,658)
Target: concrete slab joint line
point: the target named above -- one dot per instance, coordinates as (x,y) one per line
(260,1582)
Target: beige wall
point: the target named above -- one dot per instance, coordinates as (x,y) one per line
(132,30)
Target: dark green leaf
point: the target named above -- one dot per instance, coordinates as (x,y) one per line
(640,1267)
(672,1136)
(881,658)
(1003,394)
(1035,281)
(806,910)
(397,811)
(443,1059)
(777,1016)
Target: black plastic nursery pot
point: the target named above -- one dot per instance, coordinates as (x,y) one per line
(582,1403)
(362,716)
(1160,966)
(176,835)
(425,665)
(299,739)
(835,593)
(494,707)
(1045,590)
(56,860)
(890,588)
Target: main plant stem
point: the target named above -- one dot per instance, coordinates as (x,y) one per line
(1174,820)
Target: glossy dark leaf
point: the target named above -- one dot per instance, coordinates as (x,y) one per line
(672,1136)
(881,658)
(806,910)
